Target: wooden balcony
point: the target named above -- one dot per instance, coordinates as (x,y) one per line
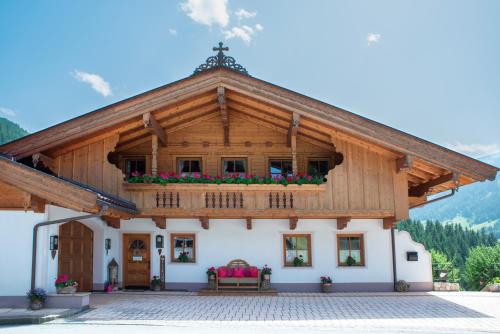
(239,201)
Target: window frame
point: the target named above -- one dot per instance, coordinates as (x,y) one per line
(223,159)
(126,159)
(190,158)
(361,249)
(279,159)
(308,236)
(173,259)
(315,159)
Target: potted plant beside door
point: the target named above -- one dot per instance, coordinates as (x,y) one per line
(65,285)
(156,283)
(37,298)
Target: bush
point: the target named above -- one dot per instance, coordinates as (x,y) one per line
(440,262)
(482,265)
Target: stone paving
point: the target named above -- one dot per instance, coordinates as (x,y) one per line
(432,311)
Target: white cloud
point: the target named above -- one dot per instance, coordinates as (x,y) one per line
(96,82)
(244,14)
(207,12)
(475,150)
(7,112)
(172,31)
(373,38)
(245,33)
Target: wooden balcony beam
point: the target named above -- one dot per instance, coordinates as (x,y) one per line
(154,128)
(249,223)
(204,222)
(160,222)
(221,98)
(113,222)
(342,222)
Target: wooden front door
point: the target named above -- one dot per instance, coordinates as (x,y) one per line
(76,245)
(136,260)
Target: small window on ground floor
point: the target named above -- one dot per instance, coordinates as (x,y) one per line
(234,166)
(297,250)
(188,166)
(135,166)
(350,250)
(182,247)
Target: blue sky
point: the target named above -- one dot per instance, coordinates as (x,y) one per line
(426,67)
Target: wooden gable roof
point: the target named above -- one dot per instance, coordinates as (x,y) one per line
(194,99)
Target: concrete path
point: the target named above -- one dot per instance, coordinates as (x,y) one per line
(349,313)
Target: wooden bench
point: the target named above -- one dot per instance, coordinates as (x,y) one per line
(237,282)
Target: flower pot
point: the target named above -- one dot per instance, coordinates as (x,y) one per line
(36,304)
(326,287)
(267,277)
(68,290)
(211,282)
(156,287)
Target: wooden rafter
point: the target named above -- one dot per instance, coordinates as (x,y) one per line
(389,223)
(204,222)
(249,223)
(405,163)
(154,128)
(293,222)
(221,98)
(424,188)
(46,160)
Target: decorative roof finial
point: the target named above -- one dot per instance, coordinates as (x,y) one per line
(220,60)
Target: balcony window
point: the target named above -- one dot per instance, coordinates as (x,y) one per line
(280,167)
(318,167)
(235,166)
(188,166)
(136,165)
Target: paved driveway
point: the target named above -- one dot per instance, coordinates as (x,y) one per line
(436,312)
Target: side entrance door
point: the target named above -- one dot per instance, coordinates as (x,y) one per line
(136,260)
(76,245)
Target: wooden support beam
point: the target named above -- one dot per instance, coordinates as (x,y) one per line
(249,223)
(46,160)
(424,188)
(221,97)
(154,128)
(389,223)
(342,222)
(204,222)
(293,222)
(38,204)
(405,163)
(154,155)
(292,141)
(113,222)
(160,222)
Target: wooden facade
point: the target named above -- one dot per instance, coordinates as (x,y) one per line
(375,171)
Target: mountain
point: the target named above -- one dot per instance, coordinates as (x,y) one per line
(10,131)
(476,206)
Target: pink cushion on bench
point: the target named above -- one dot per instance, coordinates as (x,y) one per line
(239,272)
(253,272)
(222,272)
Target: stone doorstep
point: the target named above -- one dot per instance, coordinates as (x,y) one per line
(27,317)
(79,300)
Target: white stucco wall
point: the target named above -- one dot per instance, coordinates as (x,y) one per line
(225,240)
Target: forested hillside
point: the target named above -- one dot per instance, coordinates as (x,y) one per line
(10,131)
